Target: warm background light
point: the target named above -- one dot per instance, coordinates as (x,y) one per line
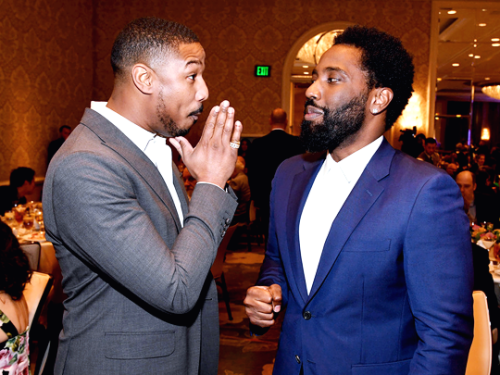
(485,134)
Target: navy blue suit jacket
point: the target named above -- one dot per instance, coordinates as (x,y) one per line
(393,289)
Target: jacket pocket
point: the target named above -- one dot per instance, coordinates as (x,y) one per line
(392,368)
(138,345)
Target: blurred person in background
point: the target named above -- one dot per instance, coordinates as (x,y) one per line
(22,183)
(64,132)
(14,315)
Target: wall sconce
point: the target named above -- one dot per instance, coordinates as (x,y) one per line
(485,134)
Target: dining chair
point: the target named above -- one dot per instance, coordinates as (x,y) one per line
(32,251)
(479,361)
(217,271)
(36,292)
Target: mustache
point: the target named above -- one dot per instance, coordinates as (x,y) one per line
(310,102)
(197,112)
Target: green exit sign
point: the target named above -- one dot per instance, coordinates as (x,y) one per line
(262,70)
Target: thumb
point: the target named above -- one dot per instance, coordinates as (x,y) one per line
(275,291)
(182,145)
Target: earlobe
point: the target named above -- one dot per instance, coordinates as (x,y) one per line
(142,76)
(381,100)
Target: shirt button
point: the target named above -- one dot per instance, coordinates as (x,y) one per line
(307,315)
(297,358)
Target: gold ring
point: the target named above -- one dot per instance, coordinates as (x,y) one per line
(235,144)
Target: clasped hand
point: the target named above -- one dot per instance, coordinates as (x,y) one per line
(212,160)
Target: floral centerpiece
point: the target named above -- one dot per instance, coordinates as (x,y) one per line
(488,238)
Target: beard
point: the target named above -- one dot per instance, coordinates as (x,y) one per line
(170,127)
(339,126)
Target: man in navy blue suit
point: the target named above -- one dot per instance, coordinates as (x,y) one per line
(369,249)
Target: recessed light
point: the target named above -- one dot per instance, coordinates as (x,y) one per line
(305,66)
(306,73)
(452,12)
(495,45)
(477,57)
(471,55)
(487,78)
(484,10)
(495,39)
(475,45)
(440,79)
(475,40)
(481,24)
(455,64)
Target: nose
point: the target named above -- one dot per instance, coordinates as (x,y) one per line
(202,92)
(313,92)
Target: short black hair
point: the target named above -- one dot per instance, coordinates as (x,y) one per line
(64,127)
(430,141)
(19,175)
(148,39)
(386,63)
(14,266)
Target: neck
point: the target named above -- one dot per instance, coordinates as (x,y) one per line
(128,106)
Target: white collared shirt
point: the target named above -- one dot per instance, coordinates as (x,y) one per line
(155,147)
(330,189)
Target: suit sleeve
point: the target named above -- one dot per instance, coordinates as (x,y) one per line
(272,271)
(99,217)
(439,276)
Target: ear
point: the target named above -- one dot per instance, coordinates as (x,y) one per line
(143,78)
(381,97)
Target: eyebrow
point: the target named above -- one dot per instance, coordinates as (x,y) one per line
(194,61)
(336,69)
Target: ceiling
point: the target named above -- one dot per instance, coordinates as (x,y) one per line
(470,37)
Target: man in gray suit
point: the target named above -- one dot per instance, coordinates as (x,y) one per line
(135,257)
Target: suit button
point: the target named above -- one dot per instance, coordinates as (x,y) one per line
(307,315)
(228,221)
(223,233)
(297,358)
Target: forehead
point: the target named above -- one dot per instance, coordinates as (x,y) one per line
(464,178)
(344,57)
(188,54)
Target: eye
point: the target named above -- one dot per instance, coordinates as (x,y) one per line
(332,80)
(192,77)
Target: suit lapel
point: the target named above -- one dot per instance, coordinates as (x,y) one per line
(362,197)
(113,138)
(299,191)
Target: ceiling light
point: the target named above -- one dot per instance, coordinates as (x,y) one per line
(452,12)
(305,66)
(495,45)
(306,73)
(477,57)
(492,91)
(495,39)
(487,78)
(471,55)
(440,79)
(484,10)
(475,40)
(455,64)
(481,24)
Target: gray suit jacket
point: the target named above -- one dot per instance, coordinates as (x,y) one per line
(140,294)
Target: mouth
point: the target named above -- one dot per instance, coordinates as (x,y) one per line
(312,113)
(195,114)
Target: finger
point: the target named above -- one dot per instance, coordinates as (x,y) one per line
(238,129)
(208,130)
(227,131)
(182,146)
(220,122)
(275,291)
(259,293)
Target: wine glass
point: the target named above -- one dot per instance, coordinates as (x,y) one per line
(19,211)
(28,222)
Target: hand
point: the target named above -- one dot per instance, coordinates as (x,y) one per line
(261,303)
(212,160)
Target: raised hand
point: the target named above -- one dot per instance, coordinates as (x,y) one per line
(213,159)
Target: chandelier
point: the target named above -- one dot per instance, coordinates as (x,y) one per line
(492,91)
(314,48)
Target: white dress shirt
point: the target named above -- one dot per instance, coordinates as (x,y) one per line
(330,189)
(154,146)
